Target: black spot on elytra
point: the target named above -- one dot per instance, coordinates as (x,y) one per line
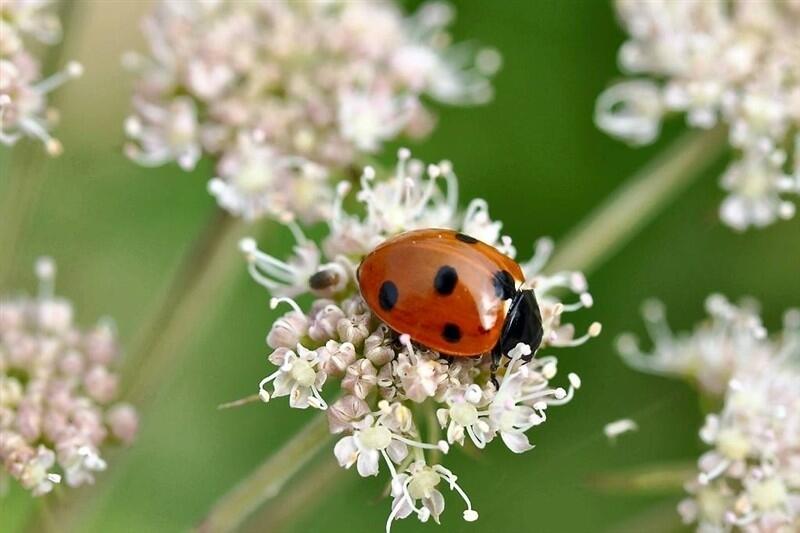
(504,286)
(466,238)
(451,332)
(387,296)
(445,280)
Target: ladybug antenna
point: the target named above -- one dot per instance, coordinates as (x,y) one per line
(275,302)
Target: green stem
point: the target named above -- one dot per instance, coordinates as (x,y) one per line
(26,174)
(652,479)
(595,240)
(204,271)
(640,199)
(267,481)
(434,430)
(314,485)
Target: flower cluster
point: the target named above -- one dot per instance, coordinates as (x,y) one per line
(282,94)
(23,91)
(732,338)
(717,61)
(386,382)
(57,388)
(750,479)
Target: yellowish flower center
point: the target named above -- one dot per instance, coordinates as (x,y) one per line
(302,373)
(768,494)
(376,437)
(733,444)
(464,414)
(423,484)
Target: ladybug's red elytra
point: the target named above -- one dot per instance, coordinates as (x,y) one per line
(451,292)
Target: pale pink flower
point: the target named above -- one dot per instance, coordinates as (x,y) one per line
(57,391)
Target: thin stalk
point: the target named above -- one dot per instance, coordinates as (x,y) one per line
(434,430)
(45,519)
(652,479)
(603,233)
(316,484)
(208,266)
(26,176)
(233,508)
(641,198)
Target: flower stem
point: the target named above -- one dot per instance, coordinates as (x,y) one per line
(434,430)
(316,484)
(268,479)
(603,233)
(206,268)
(653,479)
(640,199)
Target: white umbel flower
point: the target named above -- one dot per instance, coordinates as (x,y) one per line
(391,389)
(750,479)
(284,95)
(732,338)
(733,63)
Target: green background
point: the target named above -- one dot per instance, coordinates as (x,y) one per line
(118,232)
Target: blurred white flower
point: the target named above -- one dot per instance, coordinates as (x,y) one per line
(283,94)
(387,383)
(57,386)
(732,338)
(23,90)
(736,63)
(750,479)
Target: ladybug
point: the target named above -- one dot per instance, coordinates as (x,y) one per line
(452,293)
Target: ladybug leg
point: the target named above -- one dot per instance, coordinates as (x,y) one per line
(497,354)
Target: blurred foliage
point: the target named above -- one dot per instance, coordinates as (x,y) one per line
(118,232)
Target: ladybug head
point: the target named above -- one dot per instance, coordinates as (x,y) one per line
(523,324)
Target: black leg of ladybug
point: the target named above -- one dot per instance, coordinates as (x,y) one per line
(497,354)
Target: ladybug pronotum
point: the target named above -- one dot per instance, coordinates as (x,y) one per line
(452,293)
